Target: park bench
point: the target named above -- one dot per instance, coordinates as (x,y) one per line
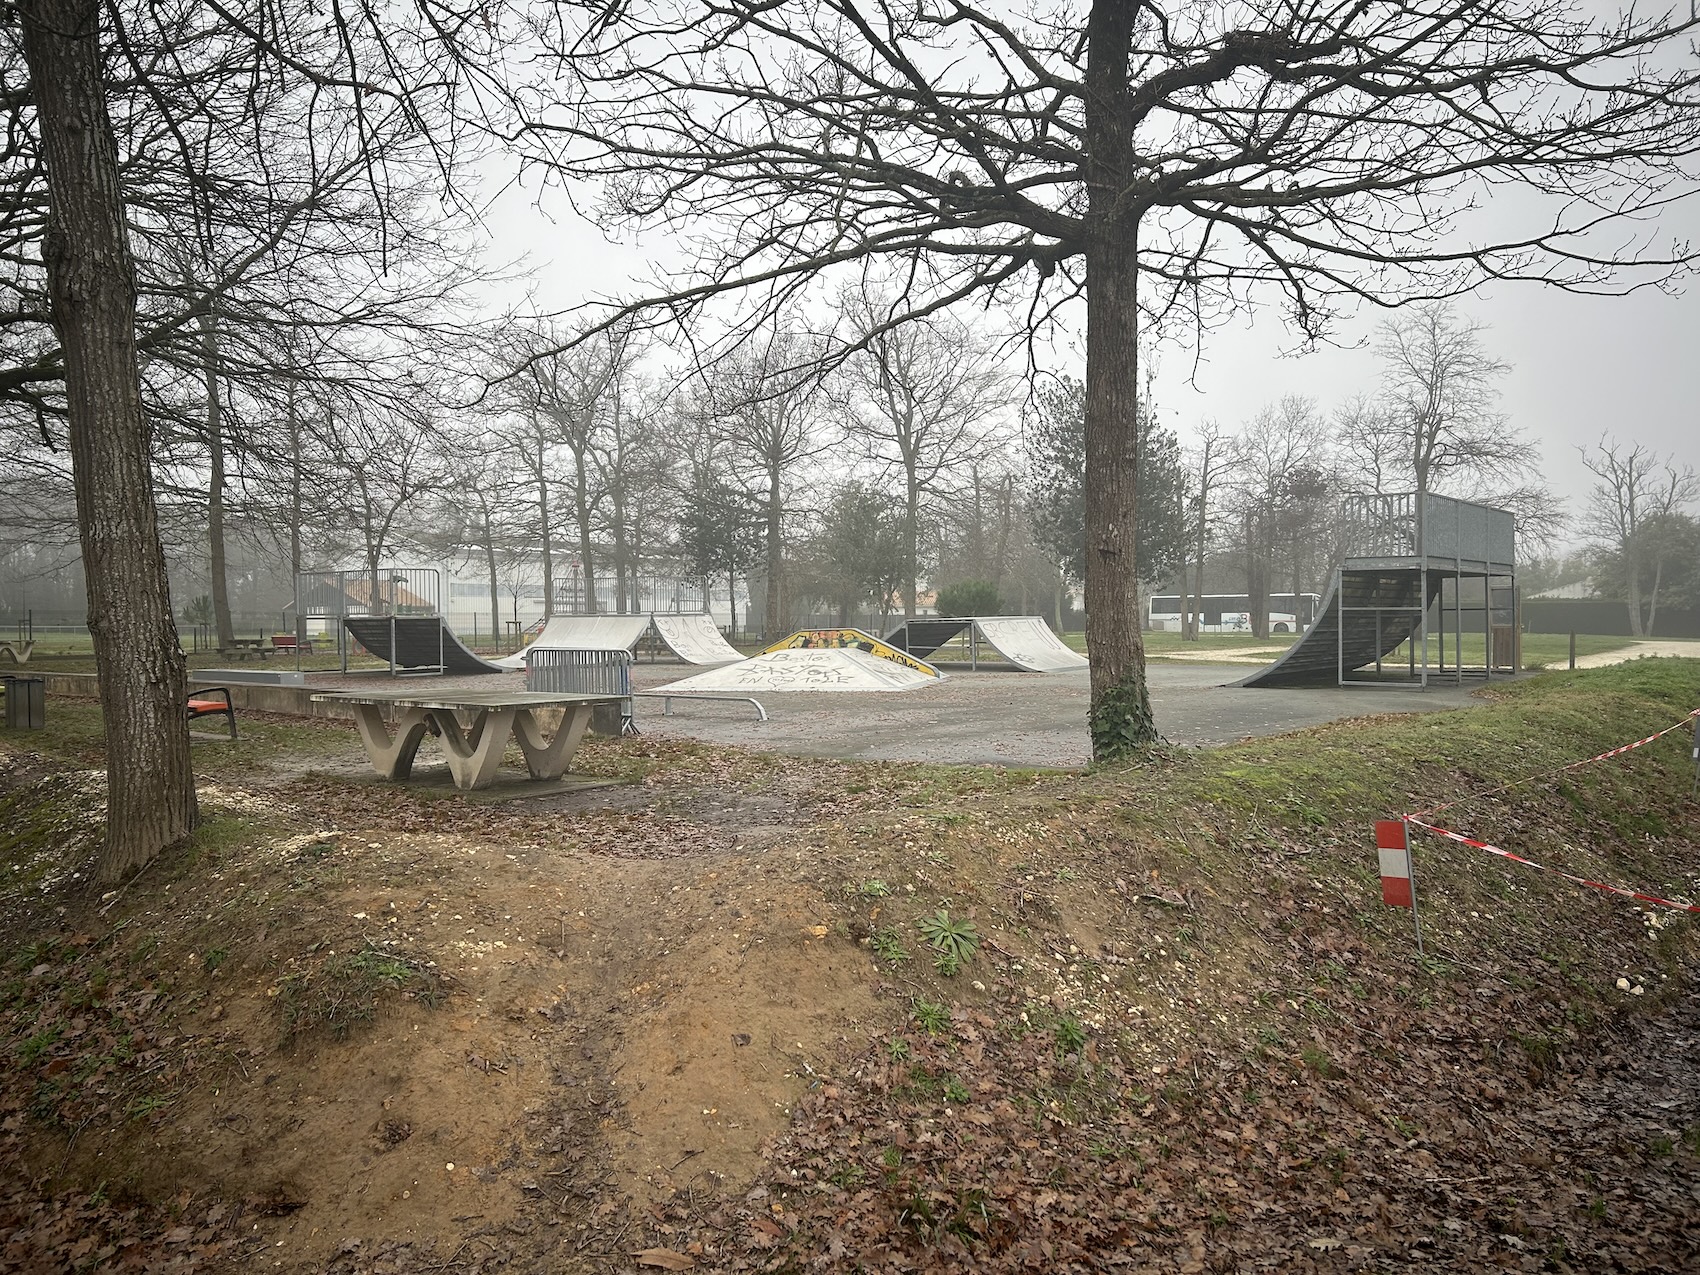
(287,642)
(202,704)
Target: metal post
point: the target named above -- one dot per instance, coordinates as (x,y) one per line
(1573,650)
(1339,625)
(1411,862)
(1378,641)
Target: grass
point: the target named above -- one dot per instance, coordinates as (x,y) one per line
(340,992)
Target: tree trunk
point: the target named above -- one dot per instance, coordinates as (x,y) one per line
(581,508)
(1637,628)
(215,486)
(495,584)
(775,555)
(543,533)
(1120,714)
(911,540)
(91,282)
(295,515)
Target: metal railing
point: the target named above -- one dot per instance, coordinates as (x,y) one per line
(564,672)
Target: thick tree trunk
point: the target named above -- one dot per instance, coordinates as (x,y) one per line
(219,578)
(1120,715)
(150,787)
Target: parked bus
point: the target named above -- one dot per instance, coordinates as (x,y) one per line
(1231,612)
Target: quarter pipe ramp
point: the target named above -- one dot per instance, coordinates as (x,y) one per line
(1381,612)
(695,639)
(583,633)
(416,643)
(1026,641)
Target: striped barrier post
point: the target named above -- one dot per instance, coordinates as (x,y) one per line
(1393,848)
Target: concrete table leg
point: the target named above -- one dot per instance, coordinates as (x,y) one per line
(473,755)
(391,757)
(549,760)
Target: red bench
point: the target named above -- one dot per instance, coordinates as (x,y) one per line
(287,642)
(201,704)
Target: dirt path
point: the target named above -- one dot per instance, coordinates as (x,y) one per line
(1640,650)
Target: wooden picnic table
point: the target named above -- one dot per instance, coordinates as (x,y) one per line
(473,751)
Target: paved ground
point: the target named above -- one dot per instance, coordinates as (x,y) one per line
(1001,718)
(1021,719)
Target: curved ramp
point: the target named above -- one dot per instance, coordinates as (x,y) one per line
(422,643)
(695,639)
(583,633)
(808,669)
(1027,642)
(1324,654)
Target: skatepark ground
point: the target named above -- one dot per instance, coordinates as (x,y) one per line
(998,718)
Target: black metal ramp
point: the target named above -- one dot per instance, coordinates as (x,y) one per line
(421,643)
(923,637)
(1323,655)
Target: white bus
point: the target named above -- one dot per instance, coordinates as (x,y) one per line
(1231,612)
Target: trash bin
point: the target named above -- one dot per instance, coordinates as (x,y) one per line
(26,703)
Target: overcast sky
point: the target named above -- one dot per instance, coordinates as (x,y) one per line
(1580,366)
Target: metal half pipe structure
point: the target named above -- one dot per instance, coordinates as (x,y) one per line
(416,644)
(1406,573)
(837,668)
(1025,641)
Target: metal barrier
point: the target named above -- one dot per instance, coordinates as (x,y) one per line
(26,702)
(561,672)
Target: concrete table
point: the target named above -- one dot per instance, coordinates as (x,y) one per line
(474,752)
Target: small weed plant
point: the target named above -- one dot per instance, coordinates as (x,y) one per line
(954,940)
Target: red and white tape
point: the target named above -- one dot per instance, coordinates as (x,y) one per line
(1393,843)
(1530,863)
(1569,766)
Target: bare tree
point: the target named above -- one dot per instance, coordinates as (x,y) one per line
(1212,462)
(766,403)
(1282,468)
(1157,161)
(1630,511)
(923,399)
